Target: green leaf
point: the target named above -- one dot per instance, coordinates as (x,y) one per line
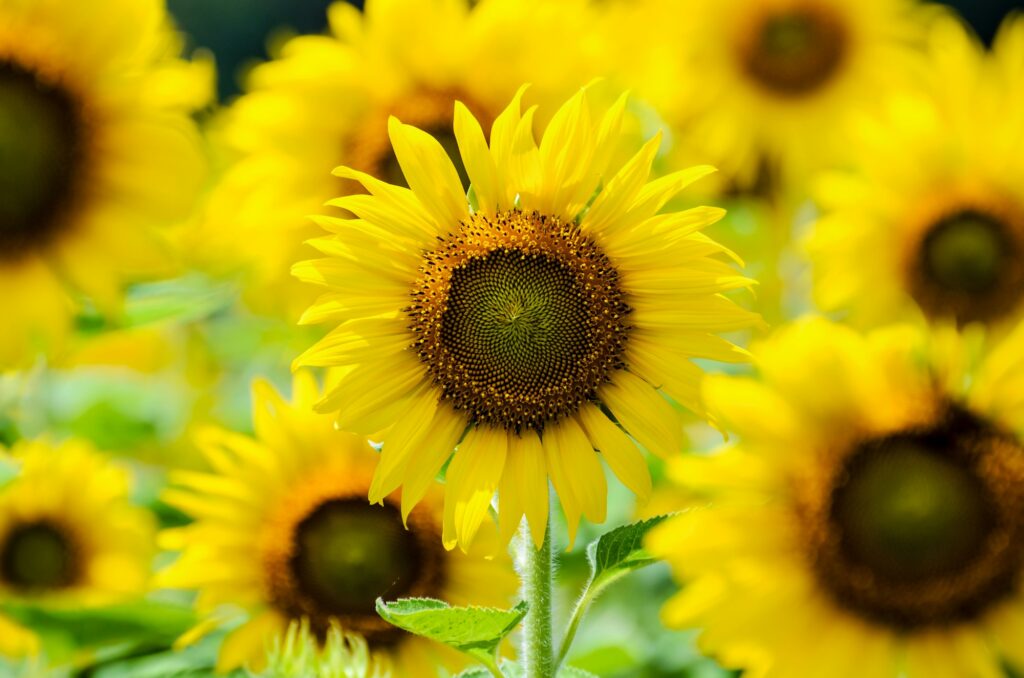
(194,661)
(620,551)
(614,555)
(477,631)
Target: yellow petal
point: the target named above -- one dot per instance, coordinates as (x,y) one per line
(643,413)
(583,468)
(422,468)
(612,203)
(654,195)
(561,478)
(372,389)
(356,342)
(247,645)
(414,220)
(524,488)
(477,159)
(503,134)
(430,173)
(619,452)
(472,479)
(402,440)
(16,640)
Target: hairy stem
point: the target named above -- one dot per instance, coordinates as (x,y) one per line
(536,568)
(582,605)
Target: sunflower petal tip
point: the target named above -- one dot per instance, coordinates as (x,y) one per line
(323,406)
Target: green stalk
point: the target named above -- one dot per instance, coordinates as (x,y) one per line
(582,605)
(536,569)
(492,666)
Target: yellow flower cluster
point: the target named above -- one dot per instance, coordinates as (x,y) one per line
(501,244)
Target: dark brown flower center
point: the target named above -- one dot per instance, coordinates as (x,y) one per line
(38,556)
(40,141)
(968,267)
(925,527)
(347,553)
(519,319)
(795,51)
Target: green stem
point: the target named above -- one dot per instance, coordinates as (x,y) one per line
(492,666)
(536,569)
(582,605)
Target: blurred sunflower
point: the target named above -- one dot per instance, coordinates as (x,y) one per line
(69,535)
(96,147)
(524,329)
(283,530)
(876,496)
(326,101)
(766,82)
(939,223)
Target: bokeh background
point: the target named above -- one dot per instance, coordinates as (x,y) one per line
(238,32)
(182,370)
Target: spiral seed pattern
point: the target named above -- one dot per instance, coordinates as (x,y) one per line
(519,319)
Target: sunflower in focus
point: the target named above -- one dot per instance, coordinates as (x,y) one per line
(325,101)
(937,224)
(876,496)
(96,148)
(766,82)
(69,536)
(283,532)
(544,321)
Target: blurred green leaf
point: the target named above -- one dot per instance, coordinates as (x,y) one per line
(147,622)
(186,299)
(194,661)
(8,431)
(609,659)
(110,427)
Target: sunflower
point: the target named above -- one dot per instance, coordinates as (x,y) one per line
(283,530)
(326,100)
(937,224)
(96,147)
(759,86)
(876,496)
(526,328)
(69,535)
